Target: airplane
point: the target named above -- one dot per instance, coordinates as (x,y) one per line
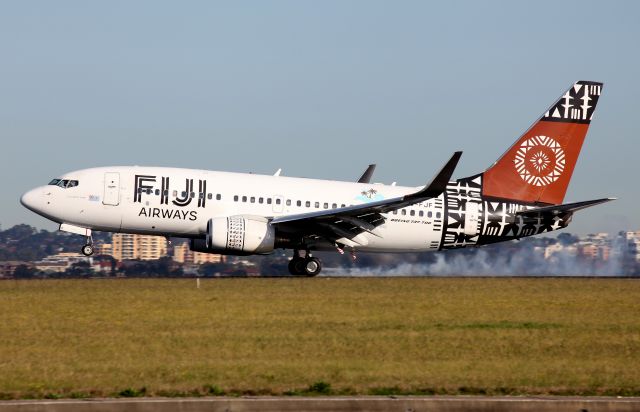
(519,195)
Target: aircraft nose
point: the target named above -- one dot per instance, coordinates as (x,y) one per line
(31,199)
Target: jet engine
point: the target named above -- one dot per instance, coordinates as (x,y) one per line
(236,235)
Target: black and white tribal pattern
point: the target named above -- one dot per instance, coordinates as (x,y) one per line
(458,196)
(495,221)
(576,105)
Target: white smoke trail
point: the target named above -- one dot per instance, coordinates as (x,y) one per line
(522,260)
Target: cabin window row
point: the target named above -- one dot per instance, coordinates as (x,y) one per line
(420,213)
(183,194)
(288,202)
(256,199)
(278,201)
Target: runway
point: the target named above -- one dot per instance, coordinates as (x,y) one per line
(347,403)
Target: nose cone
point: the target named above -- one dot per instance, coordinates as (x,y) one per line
(32,199)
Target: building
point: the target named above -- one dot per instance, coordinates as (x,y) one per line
(633,244)
(558,248)
(61,262)
(126,246)
(8,267)
(595,246)
(104,249)
(183,254)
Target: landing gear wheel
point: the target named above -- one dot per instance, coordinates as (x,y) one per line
(295,266)
(87,250)
(312,267)
(303,264)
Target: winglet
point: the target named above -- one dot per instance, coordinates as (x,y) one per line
(439,183)
(366,176)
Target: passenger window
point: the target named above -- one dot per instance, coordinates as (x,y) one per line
(317,205)
(268,200)
(299,203)
(342,205)
(278,201)
(403,212)
(421,213)
(201,195)
(148,191)
(438,215)
(412,213)
(326,205)
(307,203)
(175,193)
(218,196)
(235,198)
(288,202)
(334,206)
(210,196)
(253,199)
(395,212)
(244,199)
(429,214)
(139,190)
(260,200)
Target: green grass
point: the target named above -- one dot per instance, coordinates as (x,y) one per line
(81,338)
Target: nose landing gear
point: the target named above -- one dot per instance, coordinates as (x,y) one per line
(87,249)
(305,265)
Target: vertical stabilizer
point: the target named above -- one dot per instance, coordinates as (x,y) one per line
(539,165)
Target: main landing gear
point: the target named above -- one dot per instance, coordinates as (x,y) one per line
(303,264)
(87,249)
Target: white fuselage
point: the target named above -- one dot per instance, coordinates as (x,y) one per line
(180,202)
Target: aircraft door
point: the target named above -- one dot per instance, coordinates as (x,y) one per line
(471,217)
(111,189)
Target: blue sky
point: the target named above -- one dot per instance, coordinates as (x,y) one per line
(320,89)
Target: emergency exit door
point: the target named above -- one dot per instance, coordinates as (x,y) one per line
(111,189)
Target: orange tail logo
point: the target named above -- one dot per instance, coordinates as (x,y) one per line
(538,167)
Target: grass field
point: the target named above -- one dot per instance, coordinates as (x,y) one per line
(78,338)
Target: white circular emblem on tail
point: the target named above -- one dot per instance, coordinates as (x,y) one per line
(540,160)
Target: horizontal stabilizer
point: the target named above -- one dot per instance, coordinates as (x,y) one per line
(567,207)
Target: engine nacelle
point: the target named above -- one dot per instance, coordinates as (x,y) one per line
(239,235)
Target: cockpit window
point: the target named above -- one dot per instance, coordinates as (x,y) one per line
(64,183)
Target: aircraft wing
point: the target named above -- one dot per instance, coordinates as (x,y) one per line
(348,222)
(565,208)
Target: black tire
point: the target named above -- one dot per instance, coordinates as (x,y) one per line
(294,266)
(87,250)
(312,267)
(299,267)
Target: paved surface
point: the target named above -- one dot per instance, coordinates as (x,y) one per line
(347,403)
